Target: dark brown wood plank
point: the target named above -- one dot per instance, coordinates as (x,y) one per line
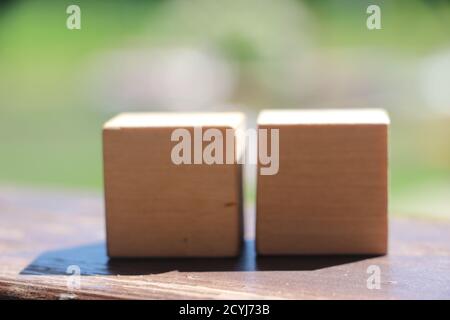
(43,233)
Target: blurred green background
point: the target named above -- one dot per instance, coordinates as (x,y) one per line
(58,86)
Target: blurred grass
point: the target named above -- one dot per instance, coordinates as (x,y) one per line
(48,136)
(410,27)
(51,148)
(51,136)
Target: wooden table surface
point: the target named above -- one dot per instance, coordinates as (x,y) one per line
(43,233)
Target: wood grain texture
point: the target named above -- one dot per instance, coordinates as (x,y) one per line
(43,232)
(330,194)
(155,208)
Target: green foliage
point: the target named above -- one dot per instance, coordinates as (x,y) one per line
(50,135)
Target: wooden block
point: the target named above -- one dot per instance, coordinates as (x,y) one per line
(156,208)
(330,193)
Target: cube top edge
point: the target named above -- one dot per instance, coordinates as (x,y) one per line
(323,117)
(175,120)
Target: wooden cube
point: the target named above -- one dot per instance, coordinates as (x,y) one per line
(158,208)
(330,193)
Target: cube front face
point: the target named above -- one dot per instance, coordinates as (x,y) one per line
(155,208)
(330,194)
